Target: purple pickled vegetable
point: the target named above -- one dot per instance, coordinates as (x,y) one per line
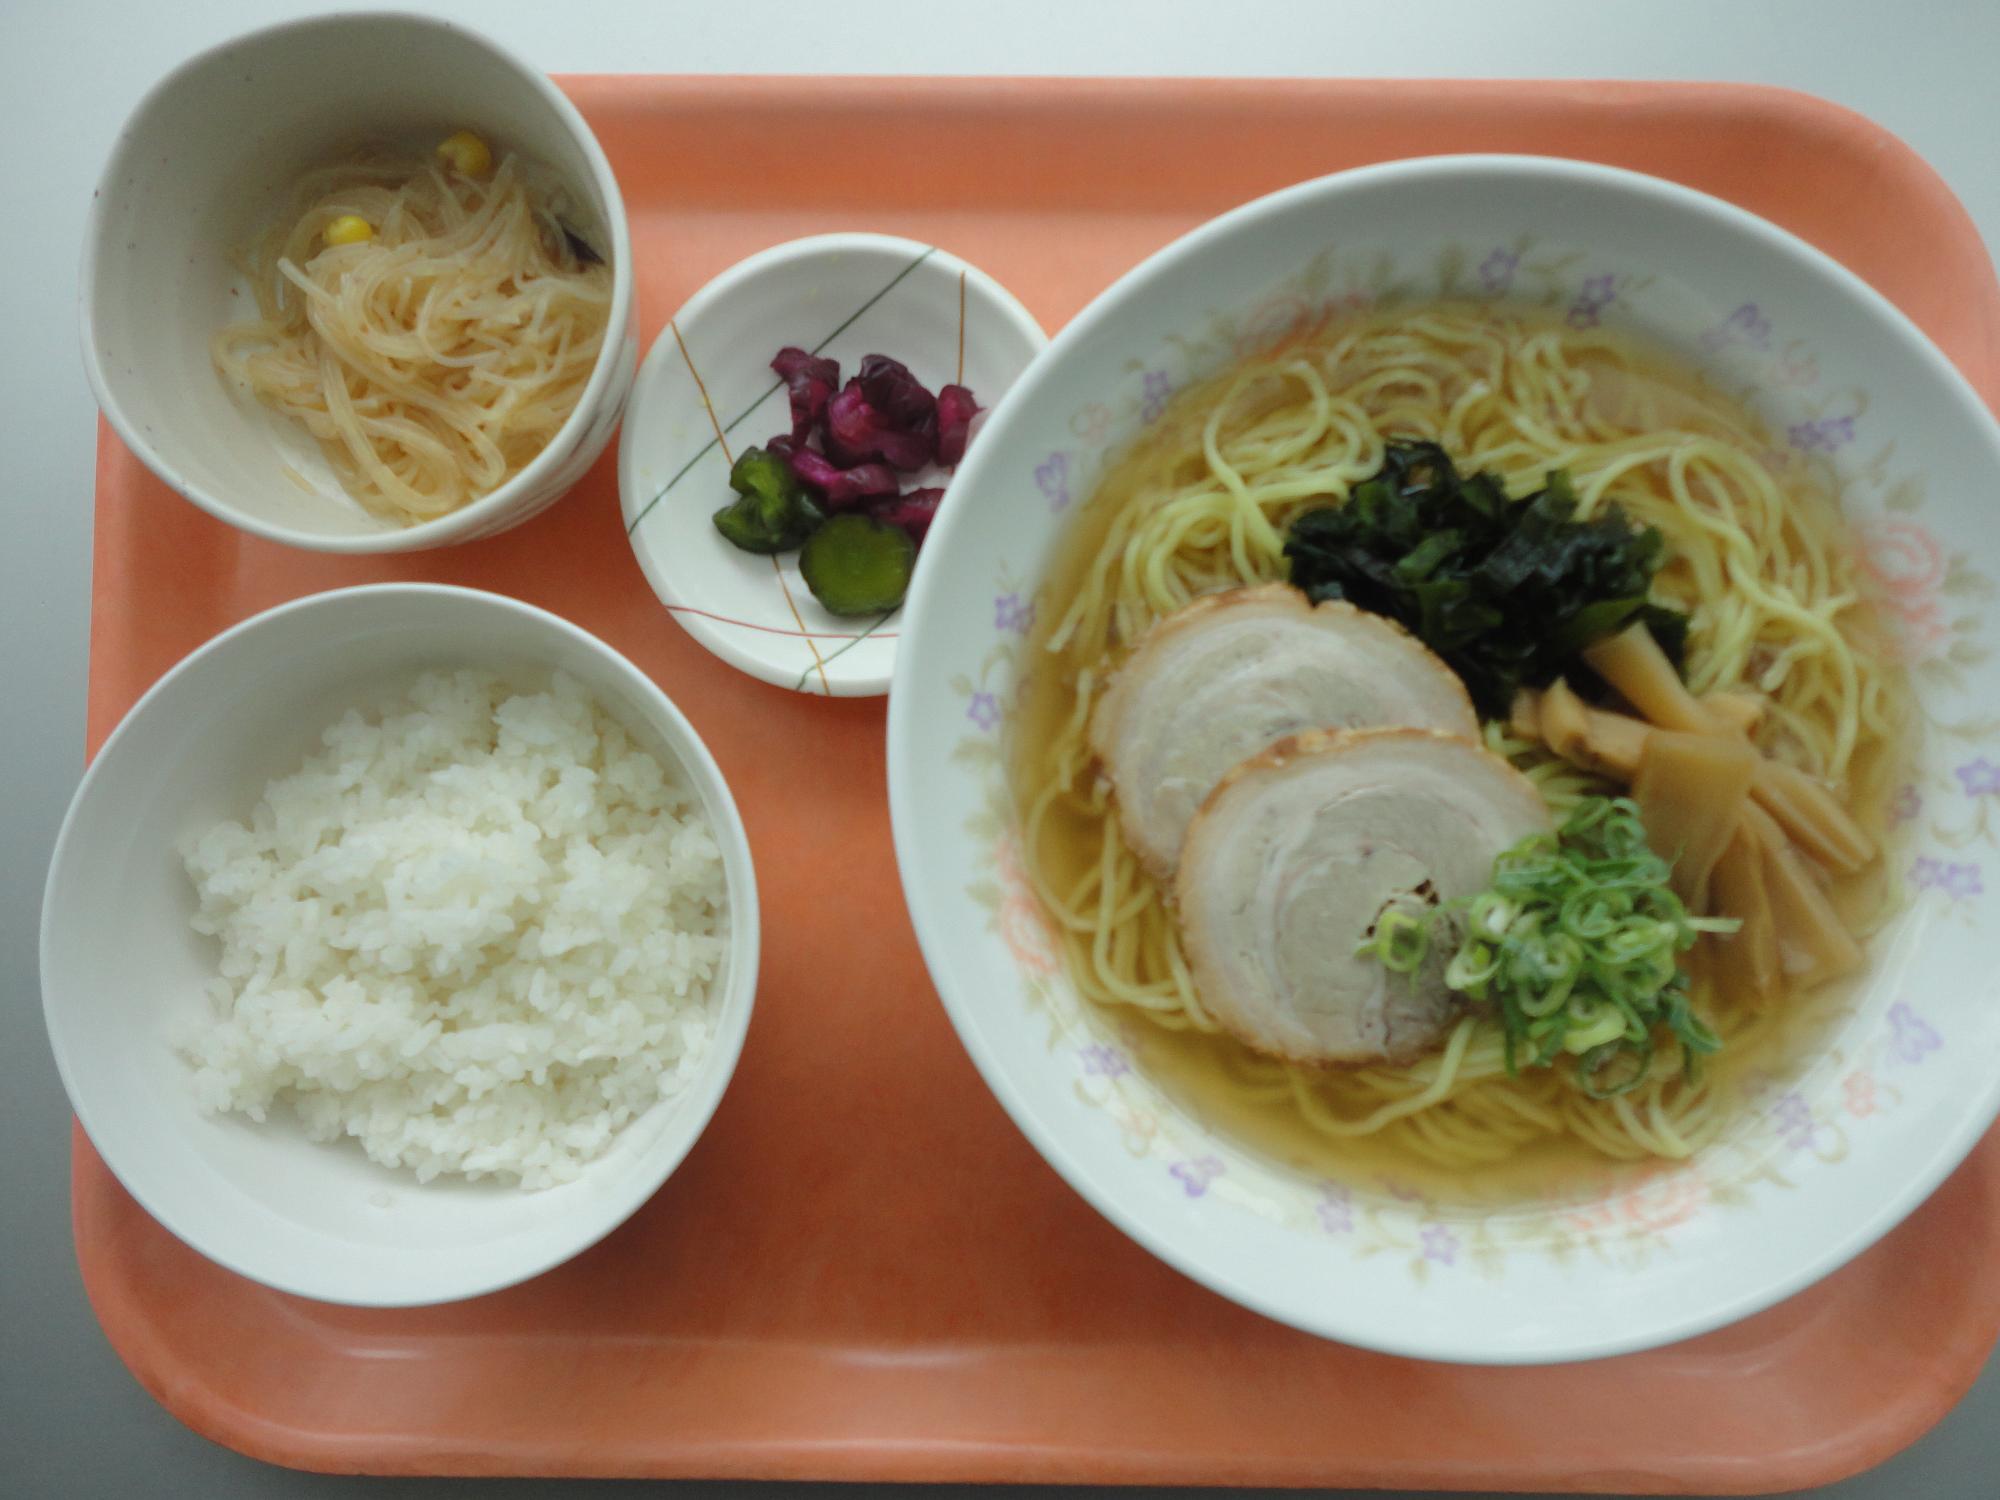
(905,450)
(839,488)
(810,381)
(913,512)
(956,407)
(853,432)
(816,469)
(848,427)
(782,445)
(898,395)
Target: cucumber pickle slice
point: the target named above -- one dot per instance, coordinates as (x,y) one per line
(856,565)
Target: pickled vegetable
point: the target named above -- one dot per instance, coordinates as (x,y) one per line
(856,565)
(772,511)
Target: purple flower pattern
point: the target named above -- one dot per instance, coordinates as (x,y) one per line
(1746,325)
(1793,1117)
(1827,435)
(1598,293)
(1195,1176)
(1496,272)
(1910,1035)
(1439,1244)
(1052,479)
(1909,803)
(1335,1209)
(984,711)
(1011,613)
(1980,778)
(1154,402)
(1103,1061)
(1959,882)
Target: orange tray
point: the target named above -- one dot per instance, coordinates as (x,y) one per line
(863,1271)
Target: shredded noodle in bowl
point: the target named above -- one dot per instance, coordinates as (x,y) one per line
(1758,557)
(436,359)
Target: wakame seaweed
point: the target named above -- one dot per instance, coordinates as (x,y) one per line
(1508,592)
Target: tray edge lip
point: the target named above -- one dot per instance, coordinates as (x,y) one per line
(197,1406)
(232,1425)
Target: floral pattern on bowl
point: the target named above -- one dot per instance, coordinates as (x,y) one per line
(1894,1082)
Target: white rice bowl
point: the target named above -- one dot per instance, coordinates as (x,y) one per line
(476,931)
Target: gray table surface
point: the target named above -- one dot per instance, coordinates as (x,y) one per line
(72,1421)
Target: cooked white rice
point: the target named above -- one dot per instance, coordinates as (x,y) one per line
(476,931)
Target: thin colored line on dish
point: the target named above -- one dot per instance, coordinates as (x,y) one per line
(702,386)
(811,644)
(723,442)
(774,387)
(852,642)
(822,635)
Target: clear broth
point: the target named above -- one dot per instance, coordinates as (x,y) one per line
(1193,1068)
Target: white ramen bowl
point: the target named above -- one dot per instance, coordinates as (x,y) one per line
(1898,1082)
(123,972)
(199,172)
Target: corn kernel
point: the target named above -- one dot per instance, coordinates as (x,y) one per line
(466,152)
(349,229)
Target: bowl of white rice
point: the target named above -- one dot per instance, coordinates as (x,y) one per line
(399,944)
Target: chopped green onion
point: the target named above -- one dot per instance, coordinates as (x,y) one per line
(1575,945)
(1399,940)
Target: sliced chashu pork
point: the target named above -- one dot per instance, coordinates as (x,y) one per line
(1299,851)
(1213,684)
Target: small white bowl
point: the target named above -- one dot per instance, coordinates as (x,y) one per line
(122,970)
(706,392)
(1899,1083)
(209,158)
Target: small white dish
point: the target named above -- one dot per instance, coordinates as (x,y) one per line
(705,392)
(122,970)
(206,160)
